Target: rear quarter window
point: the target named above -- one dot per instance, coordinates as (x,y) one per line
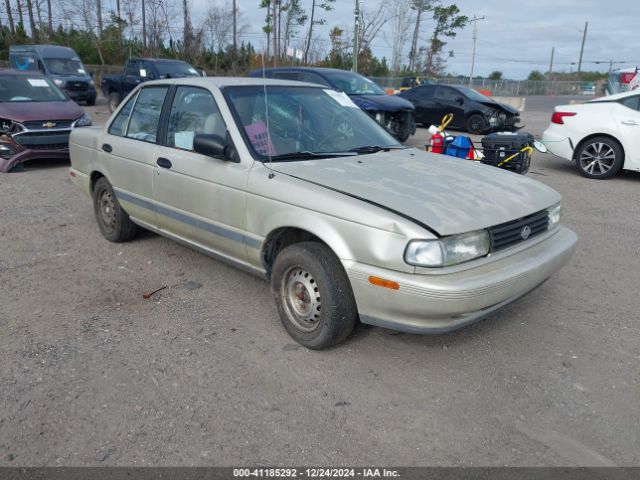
(631,102)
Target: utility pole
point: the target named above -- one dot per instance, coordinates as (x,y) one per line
(235,28)
(474,20)
(144,28)
(356,34)
(584,37)
(553,49)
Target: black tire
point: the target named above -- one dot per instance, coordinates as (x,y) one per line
(599,158)
(476,124)
(313,295)
(113,221)
(91,101)
(114,101)
(403,133)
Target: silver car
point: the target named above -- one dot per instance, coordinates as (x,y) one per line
(294,183)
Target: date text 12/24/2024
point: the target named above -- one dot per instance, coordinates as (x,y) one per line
(314,472)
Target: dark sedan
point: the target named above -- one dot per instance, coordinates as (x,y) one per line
(390,111)
(36,118)
(471,110)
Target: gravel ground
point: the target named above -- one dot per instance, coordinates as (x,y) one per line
(203,374)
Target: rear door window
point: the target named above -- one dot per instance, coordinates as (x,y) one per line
(145,117)
(631,102)
(119,125)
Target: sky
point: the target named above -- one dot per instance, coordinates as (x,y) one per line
(515,37)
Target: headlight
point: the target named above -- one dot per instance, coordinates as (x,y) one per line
(83,121)
(91,83)
(447,251)
(379,117)
(554,216)
(58,82)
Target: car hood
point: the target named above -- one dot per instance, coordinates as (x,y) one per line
(503,106)
(446,194)
(28,111)
(381,102)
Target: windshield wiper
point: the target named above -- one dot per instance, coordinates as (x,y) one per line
(306,155)
(375,149)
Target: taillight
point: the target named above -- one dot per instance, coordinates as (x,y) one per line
(557,117)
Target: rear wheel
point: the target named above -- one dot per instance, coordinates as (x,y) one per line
(114,101)
(313,295)
(599,157)
(476,124)
(114,223)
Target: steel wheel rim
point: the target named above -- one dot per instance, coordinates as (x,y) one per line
(597,158)
(301,298)
(107,210)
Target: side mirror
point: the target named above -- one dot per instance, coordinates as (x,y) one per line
(212,145)
(459,100)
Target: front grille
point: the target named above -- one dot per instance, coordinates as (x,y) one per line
(41,124)
(44,140)
(77,86)
(510,233)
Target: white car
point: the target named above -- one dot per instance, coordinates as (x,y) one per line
(602,136)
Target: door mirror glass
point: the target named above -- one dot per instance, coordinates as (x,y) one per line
(459,100)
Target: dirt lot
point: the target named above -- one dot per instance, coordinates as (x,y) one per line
(203,374)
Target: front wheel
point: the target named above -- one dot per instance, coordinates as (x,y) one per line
(476,124)
(600,158)
(114,223)
(313,295)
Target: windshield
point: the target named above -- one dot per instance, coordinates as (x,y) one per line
(22,88)
(302,119)
(472,94)
(65,66)
(353,84)
(176,69)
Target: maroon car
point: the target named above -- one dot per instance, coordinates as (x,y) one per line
(36,118)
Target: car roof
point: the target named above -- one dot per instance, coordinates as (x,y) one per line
(45,50)
(147,59)
(617,96)
(232,81)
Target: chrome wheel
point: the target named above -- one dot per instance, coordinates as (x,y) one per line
(597,158)
(107,210)
(301,298)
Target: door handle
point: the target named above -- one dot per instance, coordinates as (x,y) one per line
(164,162)
(107,148)
(629,122)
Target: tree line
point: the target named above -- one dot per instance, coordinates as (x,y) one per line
(219,39)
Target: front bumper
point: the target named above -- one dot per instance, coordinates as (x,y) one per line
(82,95)
(23,153)
(438,303)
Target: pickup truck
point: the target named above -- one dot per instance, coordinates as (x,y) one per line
(138,70)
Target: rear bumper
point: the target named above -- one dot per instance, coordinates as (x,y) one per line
(558,143)
(443,302)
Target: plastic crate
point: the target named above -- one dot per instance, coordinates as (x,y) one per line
(498,147)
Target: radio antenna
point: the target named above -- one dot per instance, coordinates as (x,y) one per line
(266,114)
